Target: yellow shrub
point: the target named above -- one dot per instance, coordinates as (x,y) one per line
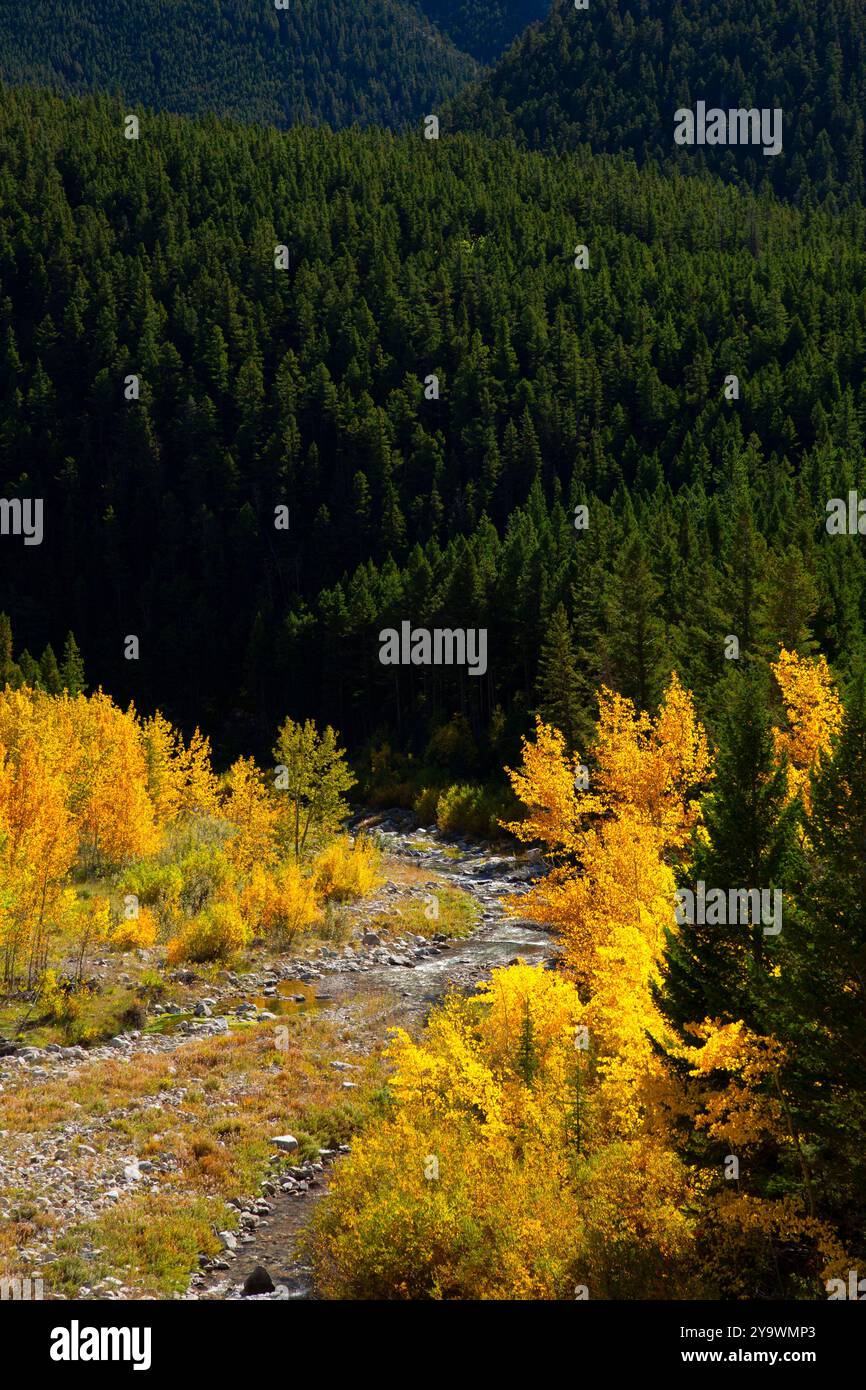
(465,1190)
(281,900)
(431,1209)
(135,933)
(54,1000)
(482,1182)
(215,934)
(343,871)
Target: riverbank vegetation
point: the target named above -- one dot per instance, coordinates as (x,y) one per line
(117,834)
(676,1112)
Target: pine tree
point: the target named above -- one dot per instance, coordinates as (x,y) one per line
(50,671)
(72,667)
(30,670)
(819,998)
(636,639)
(749,841)
(10,673)
(558,685)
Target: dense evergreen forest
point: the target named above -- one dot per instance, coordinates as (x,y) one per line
(306,388)
(379,62)
(613,75)
(484,27)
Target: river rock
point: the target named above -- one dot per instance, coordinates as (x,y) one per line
(258,1281)
(285,1142)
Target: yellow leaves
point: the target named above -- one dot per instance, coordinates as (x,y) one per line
(650,765)
(521,997)
(81,779)
(613,901)
(733,1047)
(180,779)
(94,751)
(545,783)
(280,899)
(814,714)
(251,810)
(750,1107)
(343,870)
(473,1186)
(37,850)
(634,1197)
(743,1216)
(447,1076)
(216,933)
(135,933)
(116,821)
(464,1190)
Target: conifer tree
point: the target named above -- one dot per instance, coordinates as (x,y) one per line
(636,638)
(50,671)
(818,1002)
(10,673)
(558,686)
(748,841)
(72,667)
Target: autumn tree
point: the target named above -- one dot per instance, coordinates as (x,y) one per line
(813,713)
(37,849)
(313,775)
(250,808)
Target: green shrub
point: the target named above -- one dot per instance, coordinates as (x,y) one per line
(467,808)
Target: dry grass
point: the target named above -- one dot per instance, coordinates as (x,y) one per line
(229,1095)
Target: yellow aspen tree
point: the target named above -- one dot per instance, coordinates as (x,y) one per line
(249,807)
(115,814)
(814,715)
(38,849)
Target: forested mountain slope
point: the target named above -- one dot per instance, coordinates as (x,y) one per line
(613,75)
(318,61)
(484,28)
(306,388)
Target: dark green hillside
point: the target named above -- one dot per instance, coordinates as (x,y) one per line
(305,388)
(614,75)
(319,61)
(484,28)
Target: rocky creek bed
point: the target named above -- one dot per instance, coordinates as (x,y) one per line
(80,1167)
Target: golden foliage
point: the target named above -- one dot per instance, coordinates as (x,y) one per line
(344,870)
(250,808)
(475,1186)
(135,933)
(610,893)
(281,899)
(217,933)
(814,715)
